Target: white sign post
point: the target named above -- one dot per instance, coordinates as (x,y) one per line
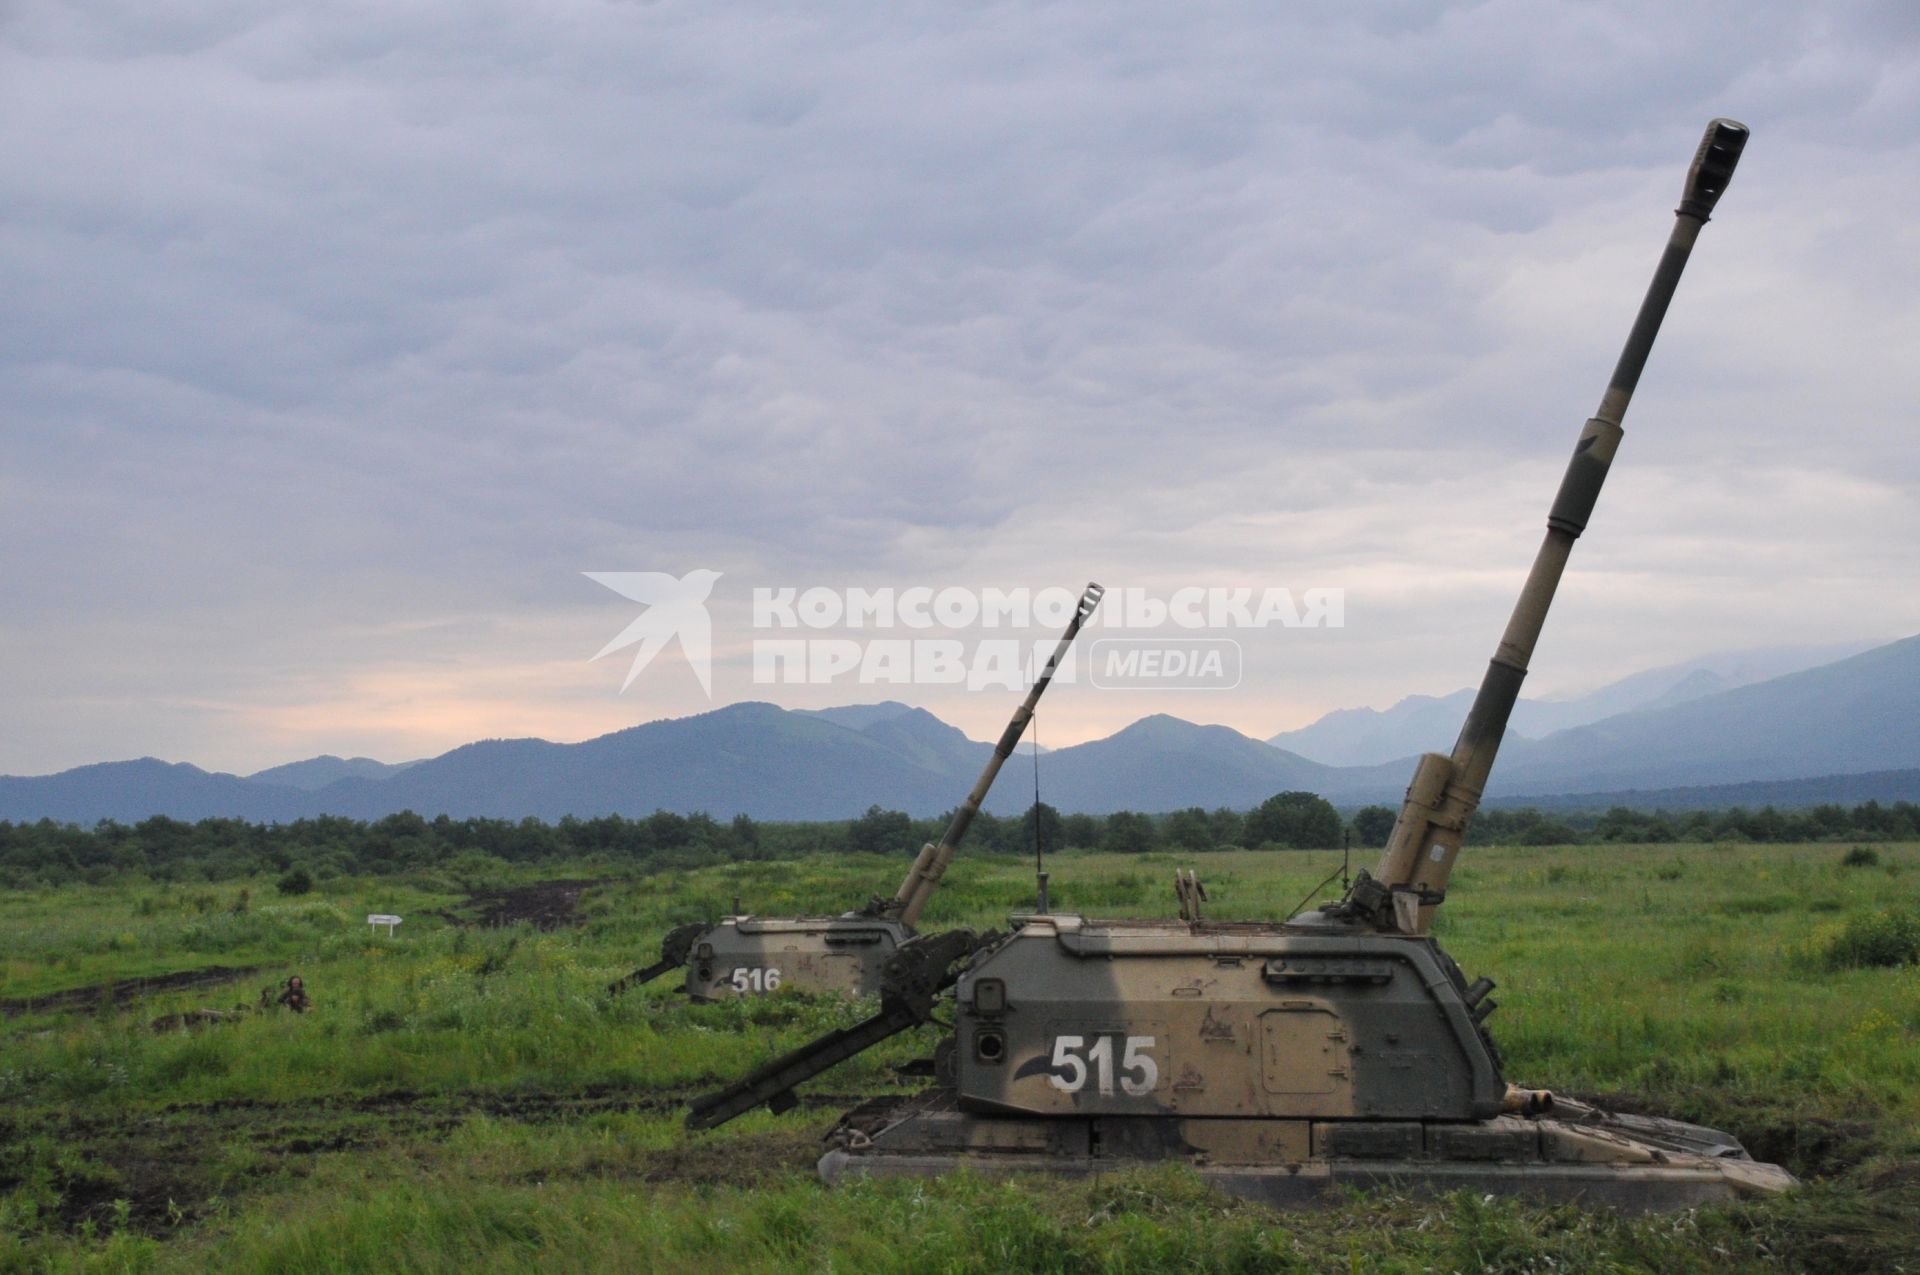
(377,919)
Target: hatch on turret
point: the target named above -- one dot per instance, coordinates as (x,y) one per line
(1303,1051)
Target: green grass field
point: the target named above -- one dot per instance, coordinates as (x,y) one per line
(468,1098)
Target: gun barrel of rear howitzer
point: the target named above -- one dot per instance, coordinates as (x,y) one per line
(1425,842)
(931,863)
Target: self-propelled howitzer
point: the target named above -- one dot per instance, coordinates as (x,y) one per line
(748,955)
(1280,1058)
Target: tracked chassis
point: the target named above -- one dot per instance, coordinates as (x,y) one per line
(1577,1154)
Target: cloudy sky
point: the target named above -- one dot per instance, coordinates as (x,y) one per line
(338,340)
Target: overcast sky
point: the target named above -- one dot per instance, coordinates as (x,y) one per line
(338,340)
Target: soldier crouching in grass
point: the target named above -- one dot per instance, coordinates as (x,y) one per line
(295,997)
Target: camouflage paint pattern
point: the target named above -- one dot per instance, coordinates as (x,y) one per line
(1076,1017)
(748,955)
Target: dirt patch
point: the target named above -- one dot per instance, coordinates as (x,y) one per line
(545,905)
(535,1106)
(153,1171)
(1806,1146)
(1904,1176)
(1809,1148)
(146,1194)
(746,1161)
(126,991)
(113,1175)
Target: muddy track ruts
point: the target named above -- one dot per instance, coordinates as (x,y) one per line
(162,1158)
(126,991)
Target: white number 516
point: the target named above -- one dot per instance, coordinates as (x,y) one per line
(746,979)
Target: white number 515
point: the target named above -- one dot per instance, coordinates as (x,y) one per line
(1071,1069)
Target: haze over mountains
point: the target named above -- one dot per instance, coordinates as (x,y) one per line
(316,773)
(1367,736)
(1848,726)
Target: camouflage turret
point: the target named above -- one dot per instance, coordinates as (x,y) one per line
(1279,1058)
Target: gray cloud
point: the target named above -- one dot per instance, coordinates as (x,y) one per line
(337,340)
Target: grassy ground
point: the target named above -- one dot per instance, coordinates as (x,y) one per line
(468,1098)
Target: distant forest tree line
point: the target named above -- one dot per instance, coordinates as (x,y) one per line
(48,853)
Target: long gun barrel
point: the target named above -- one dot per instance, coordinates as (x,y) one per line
(1425,842)
(931,863)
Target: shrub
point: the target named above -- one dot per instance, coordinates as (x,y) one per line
(1372,825)
(1882,939)
(1861,857)
(298,881)
(881,832)
(1128,832)
(1296,820)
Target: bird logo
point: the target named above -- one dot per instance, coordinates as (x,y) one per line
(676,607)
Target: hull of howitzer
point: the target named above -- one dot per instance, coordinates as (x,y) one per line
(1579,1154)
(1278,1060)
(750,956)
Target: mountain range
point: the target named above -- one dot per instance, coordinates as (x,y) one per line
(1790,738)
(1367,736)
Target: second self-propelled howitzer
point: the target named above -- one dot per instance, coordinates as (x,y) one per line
(748,955)
(1280,1059)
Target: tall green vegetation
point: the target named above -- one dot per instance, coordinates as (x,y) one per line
(1295,820)
(1890,937)
(880,832)
(465,1097)
(1372,825)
